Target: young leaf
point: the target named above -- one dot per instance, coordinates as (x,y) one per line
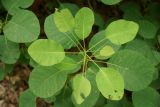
(101,47)
(29,97)
(9,51)
(46,52)
(91,100)
(107,51)
(111,2)
(121,31)
(46,81)
(136,69)
(12,6)
(147,29)
(67,40)
(64,20)
(110,83)
(148,97)
(84,21)
(81,88)
(23,27)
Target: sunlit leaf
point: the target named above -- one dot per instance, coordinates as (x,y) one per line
(84,21)
(81,88)
(110,83)
(46,52)
(64,20)
(121,31)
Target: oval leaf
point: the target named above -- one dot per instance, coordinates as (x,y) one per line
(107,51)
(46,81)
(64,20)
(84,21)
(67,40)
(148,97)
(29,97)
(12,6)
(110,83)
(121,31)
(81,88)
(98,43)
(136,69)
(147,29)
(46,52)
(9,51)
(23,27)
(111,2)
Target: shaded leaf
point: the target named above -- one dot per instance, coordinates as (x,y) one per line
(151,99)
(45,82)
(29,97)
(136,69)
(23,27)
(9,51)
(12,6)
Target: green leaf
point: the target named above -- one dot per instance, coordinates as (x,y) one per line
(136,69)
(23,27)
(111,2)
(99,21)
(9,51)
(1,26)
(46,81)
(110,83)
(121,31)
(46,52)
(122,103)
(67,40)
(72,7)
(148,97)
(107,51)
(91,100)
(12,6)
(132,11)
(64,20)
(69,65)
(142,47)
(101,47)
(81,88)
(4,70)
(147,29)
(29,97)
(64,98)
(84,21)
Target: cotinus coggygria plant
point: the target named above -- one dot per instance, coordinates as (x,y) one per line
(76,65)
